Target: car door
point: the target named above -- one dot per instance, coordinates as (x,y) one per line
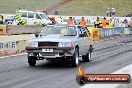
(37,19)
(30,19)
(83,41)
(24,16)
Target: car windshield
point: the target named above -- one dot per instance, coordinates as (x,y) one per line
(65,31)
(65,20)
(44,16)
(10,17)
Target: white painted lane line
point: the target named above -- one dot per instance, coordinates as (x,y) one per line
(13,55)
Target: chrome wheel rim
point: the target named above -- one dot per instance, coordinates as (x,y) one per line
(89,55)
(77,58)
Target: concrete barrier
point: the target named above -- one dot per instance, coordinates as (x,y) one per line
(101,33)
(25,29)
(128,31)
(125,70)
(19,29)
(2,30)
(14,44)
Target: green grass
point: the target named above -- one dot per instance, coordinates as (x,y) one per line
(75,7)
(10,6)
(96,7)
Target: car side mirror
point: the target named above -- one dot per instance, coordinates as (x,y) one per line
(81,35)
(36,35)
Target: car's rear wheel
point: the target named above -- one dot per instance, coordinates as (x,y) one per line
(87,57)
(75,58)
(32,60)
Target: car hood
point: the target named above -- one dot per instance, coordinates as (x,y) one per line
(54,38)
(46,21)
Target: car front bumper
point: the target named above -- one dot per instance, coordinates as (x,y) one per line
(56,51)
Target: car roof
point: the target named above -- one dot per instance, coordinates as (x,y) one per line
(26,11)
(63,25)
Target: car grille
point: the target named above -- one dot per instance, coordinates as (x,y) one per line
(40,44)
(48,54)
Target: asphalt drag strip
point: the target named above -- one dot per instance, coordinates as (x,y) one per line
(107,57)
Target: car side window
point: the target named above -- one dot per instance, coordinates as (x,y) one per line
(38,17)
(24,14)
(30,15)
(83,31)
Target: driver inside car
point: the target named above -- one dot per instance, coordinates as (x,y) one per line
(64,31)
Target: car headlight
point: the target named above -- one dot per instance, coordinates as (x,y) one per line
(33,44)
(65,44)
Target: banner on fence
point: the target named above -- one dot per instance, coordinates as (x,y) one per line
(6,48)
(95,33)
(14,44)
(109,32)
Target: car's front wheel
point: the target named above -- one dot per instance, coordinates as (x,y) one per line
(87,57)
(75,58)
(32,60)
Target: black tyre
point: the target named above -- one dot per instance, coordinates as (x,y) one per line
(81,80)
(87,57)
(32,60)
(75,58)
